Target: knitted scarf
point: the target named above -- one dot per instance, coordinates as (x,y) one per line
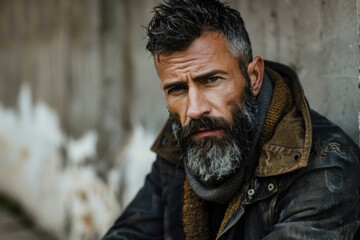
(195,215)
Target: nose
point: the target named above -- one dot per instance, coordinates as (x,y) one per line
(198,104)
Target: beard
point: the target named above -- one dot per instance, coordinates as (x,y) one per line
(213,159)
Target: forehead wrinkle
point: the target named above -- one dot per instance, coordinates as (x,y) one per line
(186,59)
(200,57)
(191,68)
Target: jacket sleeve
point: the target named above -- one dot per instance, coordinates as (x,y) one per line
(143,218)
(320,201)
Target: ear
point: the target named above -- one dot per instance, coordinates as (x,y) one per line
(256,73)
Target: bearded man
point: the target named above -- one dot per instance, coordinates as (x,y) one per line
(242,156)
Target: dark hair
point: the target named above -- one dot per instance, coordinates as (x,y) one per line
(177,23)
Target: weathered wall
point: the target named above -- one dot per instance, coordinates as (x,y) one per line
(77,110)
(320,40)
(80,102)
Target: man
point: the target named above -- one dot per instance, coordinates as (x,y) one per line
(242,155)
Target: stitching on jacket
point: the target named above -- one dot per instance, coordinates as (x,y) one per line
(333,147)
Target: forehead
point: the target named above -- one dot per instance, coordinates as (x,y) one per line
(209,51)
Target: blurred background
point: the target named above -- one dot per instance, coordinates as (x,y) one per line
(80,103)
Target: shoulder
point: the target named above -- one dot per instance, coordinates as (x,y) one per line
(168,168)
(330,139)
(329,186)
(334,161)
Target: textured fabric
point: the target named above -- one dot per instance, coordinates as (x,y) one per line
(233,206)
(263,101)
(220,194)
(195,216)
(313,196)
(290,147)
(281,104)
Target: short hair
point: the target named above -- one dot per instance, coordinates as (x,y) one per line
(177,23)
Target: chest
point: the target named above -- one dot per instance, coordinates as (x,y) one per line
(252,220)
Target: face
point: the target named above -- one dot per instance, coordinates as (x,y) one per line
(211,107)
(212,159)
(203,80)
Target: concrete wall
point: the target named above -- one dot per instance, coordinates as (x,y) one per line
(77,115)
(80,102)
(320,39)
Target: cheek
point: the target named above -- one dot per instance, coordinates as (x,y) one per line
(225,102)
(176,109)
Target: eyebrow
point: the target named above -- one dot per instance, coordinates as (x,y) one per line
(197,78)
(170,85)
(208,74)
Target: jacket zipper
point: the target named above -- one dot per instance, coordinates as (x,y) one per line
(236,219)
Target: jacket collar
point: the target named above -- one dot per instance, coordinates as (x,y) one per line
(290,146)
(286,151)
(166,146)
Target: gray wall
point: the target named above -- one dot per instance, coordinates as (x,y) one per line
(80,102)
(320,40)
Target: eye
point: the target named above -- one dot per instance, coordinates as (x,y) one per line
(212,79)
(175,90)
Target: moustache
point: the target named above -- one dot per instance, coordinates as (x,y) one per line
(205,123)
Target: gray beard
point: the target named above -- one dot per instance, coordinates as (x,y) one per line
(216,164)
(213,159)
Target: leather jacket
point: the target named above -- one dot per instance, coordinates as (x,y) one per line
(306,184)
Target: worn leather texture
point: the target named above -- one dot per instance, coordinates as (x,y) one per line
(306,184)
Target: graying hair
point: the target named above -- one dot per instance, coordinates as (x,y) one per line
(177,23)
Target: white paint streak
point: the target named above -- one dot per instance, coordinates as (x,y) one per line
(85,147)
(138,160)
(32,173)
